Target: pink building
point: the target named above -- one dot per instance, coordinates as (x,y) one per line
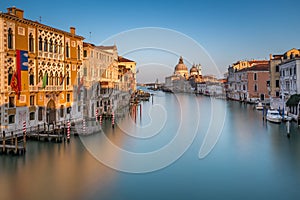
(251,83)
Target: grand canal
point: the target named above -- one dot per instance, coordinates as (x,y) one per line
(251,159)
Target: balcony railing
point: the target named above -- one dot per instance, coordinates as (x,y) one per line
(54,88)
(33,88)
(69,87)
(51,55)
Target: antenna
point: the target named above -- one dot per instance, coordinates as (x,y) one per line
(90,35)
(40,19)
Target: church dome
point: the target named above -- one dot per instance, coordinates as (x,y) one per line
(194,70)
(180,66)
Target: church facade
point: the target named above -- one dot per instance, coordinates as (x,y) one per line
(183,80)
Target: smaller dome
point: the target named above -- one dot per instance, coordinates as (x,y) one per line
(194,69)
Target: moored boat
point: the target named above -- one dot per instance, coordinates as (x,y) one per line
(259,106)
(274,116)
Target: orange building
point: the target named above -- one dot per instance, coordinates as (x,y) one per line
(46,61)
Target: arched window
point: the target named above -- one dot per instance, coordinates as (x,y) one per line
(78,52)
(255,76)
(59,48)
(56,79)
(47,78)
(67,50)
(45,45)
(40,76)
(51,79)
(50,46)
(40,44)
(62,111)
(60,78)
(31,43)
(55,47)
(31,77)
(68,79)
(10,74)
(10,39)
(255,88)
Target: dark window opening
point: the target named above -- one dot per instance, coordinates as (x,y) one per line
(31,43)
(45,45)
(78,52)
(10,74)
(61,111)
(50,46)
(67,50)
(68,110)
(31,77)
(32,100)
(11,102)
(255,76)
(40,44)
(32,116)
(11,119)
(40,114)
(10,39)
(277,83)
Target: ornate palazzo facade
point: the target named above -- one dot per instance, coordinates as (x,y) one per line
(47,77)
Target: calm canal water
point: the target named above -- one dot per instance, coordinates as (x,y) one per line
(252,159)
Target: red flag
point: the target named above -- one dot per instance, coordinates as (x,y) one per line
(14,83)
(18,71)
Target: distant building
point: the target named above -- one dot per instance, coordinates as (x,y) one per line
(127,74)
(109,80)
(290,82)
(239,65)
(289,73)
(182,80)
(195,76)
(249,83)
(215,89)
(281,90)
(99,74)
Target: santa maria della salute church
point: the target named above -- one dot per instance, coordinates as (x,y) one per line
(182,79)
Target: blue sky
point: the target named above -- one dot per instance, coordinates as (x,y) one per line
(228,30)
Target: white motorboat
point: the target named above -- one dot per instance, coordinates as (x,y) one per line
(274,116)
(259,106)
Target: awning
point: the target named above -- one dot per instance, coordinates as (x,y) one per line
(293,100)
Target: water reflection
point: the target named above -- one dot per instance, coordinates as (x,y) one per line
(252,157)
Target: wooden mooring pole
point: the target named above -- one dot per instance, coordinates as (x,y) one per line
(24,140)
(16,144)
(3,142)
(38,132)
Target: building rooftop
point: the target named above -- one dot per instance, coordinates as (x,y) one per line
(122,59)
(259,67)
(16,14)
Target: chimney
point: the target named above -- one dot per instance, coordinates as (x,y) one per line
(72,30)
(16,11)
(19,13)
